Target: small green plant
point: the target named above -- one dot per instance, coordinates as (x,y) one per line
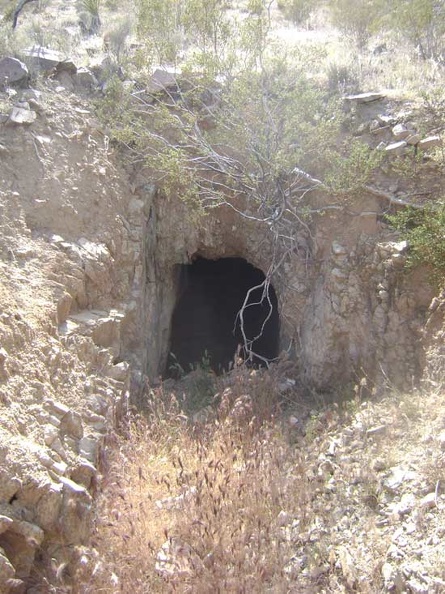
(424,228)
(350,172)
(297,11)
(434,105)
(341,78)
(198,383)
(89,16)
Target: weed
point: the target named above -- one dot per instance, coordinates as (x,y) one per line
(424,229)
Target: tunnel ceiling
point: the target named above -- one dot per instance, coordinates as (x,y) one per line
(206,318)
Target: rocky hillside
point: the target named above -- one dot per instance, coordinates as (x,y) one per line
(90,246)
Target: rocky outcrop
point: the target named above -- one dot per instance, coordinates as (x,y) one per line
(347,305)
(63,386)
(89,282)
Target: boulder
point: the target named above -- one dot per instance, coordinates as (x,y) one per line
(12,71)
(365,97)
(71,424)
(9,485)
(75,516)
(43,58)
(396,148)
(162,80)
(85,79)
(7,571)
(400,132)
(22,115)
(430,142)
(64,306)
(84,473)
(413,139)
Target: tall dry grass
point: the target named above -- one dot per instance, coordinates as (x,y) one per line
(203,506)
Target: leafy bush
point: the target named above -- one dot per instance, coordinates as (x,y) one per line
(341,78)
(349,172)
(425,231)
(357,20)
(422,22)
(297,11)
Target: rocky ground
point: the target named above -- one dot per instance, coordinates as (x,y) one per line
(62,385)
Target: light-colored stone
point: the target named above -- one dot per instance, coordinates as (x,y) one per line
(19,115)
(406,504)
(119,371)
(106,333)
(413,139)
(72,425)
(379,430)
(48,506)
(57,447)
(88,448)
(365,97)
(348,567)
(396,148)
(401,132)
(162,80)
(429,142)
(72,486)
(84,473)
(12,71)
(9,485)
(64,306)
(56,408)
(50,433)
(392,578)
(7,571)
(5,523)
(33,534)
(398,477)
(177,558)
(429,501)
(43,57)
(284,518)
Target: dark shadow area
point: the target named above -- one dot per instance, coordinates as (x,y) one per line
(206,318)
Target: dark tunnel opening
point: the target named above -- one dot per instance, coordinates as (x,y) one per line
(206,319)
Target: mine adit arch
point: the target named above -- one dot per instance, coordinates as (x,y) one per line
(224,306)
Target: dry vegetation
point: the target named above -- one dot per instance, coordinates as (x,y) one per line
(245,498)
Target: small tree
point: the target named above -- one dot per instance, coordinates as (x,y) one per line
(424,228)
(358,19)
(422,23)
(207,25)
(298,11)
(159,28)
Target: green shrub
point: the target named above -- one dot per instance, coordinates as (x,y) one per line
(422,23)
(357,20)
(425,231)
(297,11)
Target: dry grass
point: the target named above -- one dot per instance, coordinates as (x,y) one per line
(209,494)
(239,500)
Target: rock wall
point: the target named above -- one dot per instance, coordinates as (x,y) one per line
(66,276)
(347,306)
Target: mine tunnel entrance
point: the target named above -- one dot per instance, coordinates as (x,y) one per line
(207,315)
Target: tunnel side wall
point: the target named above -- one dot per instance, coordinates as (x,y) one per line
(348,307)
